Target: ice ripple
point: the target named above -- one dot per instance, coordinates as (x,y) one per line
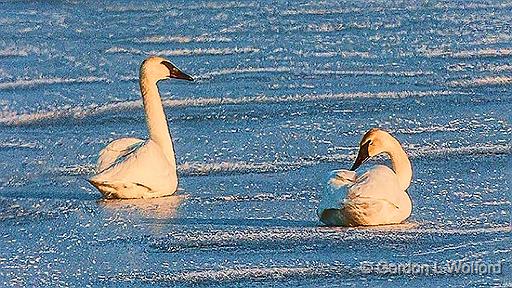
(243,167)
(480,53)
(300,239)
(27,83)
(484,81)
(183,39)
(168,6)
(228,275)
(19,51)
(11,118)
(186,52)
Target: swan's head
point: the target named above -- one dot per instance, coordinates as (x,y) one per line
(158,68)
(374,142)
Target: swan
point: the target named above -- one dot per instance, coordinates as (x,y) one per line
(378,196)
(136,168)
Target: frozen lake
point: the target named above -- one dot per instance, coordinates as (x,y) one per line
(283,93)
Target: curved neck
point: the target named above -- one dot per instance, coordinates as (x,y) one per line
(155,117)
(401,165)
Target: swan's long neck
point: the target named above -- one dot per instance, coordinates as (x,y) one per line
(155,117)
(401,165)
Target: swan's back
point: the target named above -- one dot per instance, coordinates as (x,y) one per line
(373,199)
(379,182)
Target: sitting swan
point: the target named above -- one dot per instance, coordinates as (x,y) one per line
(134,168)
(376,197)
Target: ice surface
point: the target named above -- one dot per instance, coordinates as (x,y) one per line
(283,93)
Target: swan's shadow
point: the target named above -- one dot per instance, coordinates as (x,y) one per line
(158,208)
(163,211)
(404,226)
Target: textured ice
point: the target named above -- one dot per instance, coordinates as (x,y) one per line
(185,52)
(283,93)
(57,113)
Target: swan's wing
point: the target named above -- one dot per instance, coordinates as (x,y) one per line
(142,165)
(114,150)
(368,211)
(113,189)
(379,182)
(373,198)
(127,153)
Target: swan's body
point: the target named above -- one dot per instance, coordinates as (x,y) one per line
(136,168)
(378,196)
(114,150)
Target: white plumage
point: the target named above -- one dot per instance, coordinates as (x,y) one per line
(136,168)
(376,197)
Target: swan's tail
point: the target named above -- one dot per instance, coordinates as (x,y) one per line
(354,212)
(332,217)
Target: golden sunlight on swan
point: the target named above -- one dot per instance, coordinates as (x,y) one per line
(376,197)
(136,168)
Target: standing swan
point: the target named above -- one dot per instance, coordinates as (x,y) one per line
(134,168)
(377,197)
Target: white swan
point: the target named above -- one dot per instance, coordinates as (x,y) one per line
(134,168)
(376,197)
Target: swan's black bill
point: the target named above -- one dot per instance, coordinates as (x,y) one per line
(176,73)
(362,156)
(180,75)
